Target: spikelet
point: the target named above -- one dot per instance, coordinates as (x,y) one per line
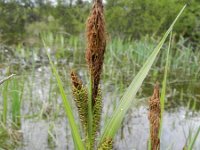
(107,144)
(97,115)
(96,44)
(154,118)
(80,97)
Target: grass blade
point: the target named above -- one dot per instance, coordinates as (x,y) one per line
(5,102)
(16,104)
(191,145)
(164,83)
(116,119)
(68,110)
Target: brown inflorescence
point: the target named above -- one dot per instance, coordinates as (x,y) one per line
(96,39)
(154,118)
(77,83)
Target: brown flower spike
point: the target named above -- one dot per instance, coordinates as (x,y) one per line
(154,118)
(77,83)
(96,39)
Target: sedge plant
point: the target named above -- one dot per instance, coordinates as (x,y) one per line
(88,98)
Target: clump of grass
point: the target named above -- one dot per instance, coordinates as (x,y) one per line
(9,137)
(154,118)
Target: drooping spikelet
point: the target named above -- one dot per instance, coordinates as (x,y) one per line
(154,118)
(80,97)
(107,144)
(96,44)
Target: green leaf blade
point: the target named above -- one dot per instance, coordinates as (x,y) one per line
(116,119)
(68,110)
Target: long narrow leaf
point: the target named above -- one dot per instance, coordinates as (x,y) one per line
(164,83)
(74,129)
(191,145)
(5,102)
(116,119)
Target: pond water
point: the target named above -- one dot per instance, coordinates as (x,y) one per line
(45,127)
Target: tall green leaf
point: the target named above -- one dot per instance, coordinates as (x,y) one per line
(116,119)
(68,110)
(164,83)
(5,102)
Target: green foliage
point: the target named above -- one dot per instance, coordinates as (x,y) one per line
(136,18)
(12,24)
(24,22)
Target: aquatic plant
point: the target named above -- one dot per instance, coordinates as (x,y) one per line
(88,99)
(9,137)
